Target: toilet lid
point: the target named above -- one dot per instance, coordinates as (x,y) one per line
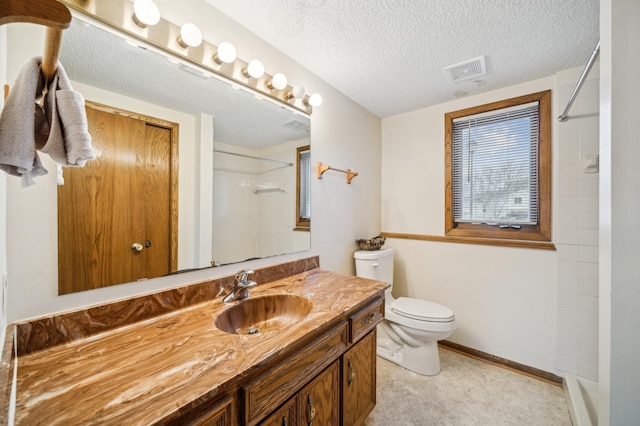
(422,310)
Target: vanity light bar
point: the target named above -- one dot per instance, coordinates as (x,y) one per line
(220,61)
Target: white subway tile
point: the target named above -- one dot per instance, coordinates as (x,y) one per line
(568,204)
(567,364)
(588,304)
(588,270)
(587,370)
(588,220)
(568,332)
(589,185)
(588,237)
(588,287)
(587,337)
(568,171)
(568,220)
(567,316)
(568,284)
(589,204)
(568,300)
(589,128)
(567,268)
(567,252)
(588,353)
(567,236)
(568,155)
(588,254)
(569,134)
(567,348)
(588,320)
(569,187)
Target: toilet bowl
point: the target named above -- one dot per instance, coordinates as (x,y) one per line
(411,329)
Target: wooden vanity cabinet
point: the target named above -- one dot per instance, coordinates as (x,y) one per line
(330,381)
(287,415)
(319,401)
(359,380)
(221,413)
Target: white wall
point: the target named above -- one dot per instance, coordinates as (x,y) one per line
(504,298)
(577,226)
(343,134)
(619,379)
(3,199)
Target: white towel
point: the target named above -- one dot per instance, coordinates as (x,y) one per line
(21,121)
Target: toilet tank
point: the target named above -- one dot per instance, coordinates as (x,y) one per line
(375,265)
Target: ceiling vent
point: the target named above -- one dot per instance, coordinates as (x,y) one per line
(297,125)
(466,70)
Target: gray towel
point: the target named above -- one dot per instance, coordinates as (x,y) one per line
(21,121)
(59,128)
(69,141)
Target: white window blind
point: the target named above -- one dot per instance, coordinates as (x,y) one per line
(305,184)
(495,167)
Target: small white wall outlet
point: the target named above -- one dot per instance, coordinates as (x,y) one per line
(590,163)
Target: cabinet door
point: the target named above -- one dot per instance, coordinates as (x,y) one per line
(220,414)
(287,415)
(359,380)
(320,400)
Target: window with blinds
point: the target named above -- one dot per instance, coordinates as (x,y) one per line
(495,167)
(498,169)
(303,185)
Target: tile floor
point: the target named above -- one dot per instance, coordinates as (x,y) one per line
(466,392)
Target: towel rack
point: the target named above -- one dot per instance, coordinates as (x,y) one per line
(269,189)
(50,13)
(321,168)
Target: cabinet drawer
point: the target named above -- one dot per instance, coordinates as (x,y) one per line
(365,320)
(268,391)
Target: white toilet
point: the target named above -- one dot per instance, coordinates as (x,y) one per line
(411,329)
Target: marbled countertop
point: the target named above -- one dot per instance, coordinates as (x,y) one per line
(146,372)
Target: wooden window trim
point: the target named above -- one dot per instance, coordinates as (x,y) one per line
(301,223)
(539,232)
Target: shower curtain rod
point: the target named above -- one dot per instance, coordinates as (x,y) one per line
(253,158)
(583,77)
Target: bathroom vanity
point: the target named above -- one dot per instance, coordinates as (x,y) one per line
(311,361)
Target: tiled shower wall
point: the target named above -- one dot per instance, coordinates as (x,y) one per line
(577,232)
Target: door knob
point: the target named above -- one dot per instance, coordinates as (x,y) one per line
(137,247)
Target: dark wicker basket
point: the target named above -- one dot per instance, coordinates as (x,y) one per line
(371,244)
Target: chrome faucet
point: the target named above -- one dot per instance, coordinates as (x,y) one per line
(241,286)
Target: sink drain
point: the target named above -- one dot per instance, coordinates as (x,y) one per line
(253,330)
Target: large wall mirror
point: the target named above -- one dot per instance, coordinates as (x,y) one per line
(235,190)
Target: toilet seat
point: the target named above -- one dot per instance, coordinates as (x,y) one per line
(421,310)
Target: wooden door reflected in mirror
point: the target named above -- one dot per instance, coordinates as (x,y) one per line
(117,215)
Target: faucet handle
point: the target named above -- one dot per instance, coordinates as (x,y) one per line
(241,276)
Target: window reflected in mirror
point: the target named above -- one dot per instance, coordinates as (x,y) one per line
(303,188)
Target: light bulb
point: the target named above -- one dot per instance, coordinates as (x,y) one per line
(315,100)
(279,81)
(226,53)
(145,13)
(297,92)
(190,36)
(254,69)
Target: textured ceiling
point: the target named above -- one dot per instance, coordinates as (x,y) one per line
(389,55)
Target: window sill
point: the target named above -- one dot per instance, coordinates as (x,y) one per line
(540,245)
(298,228)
